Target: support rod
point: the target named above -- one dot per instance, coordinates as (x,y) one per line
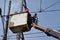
(18,35)
(7,22)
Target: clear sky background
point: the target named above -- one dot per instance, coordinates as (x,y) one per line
(47,19)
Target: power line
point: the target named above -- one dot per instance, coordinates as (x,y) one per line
(51,10)
(40,5)
(7,22)
(33,33)
(4,6)
(45,11)
(52,5)
(29,37)
(36,36)
(4,14)
(24,34)
(46,8)
(32,12)
(32,37)
(2,18)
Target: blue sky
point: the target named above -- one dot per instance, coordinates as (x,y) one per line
(46,19)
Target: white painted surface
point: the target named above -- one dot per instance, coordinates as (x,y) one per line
(19,19)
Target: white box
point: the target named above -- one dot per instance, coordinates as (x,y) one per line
(19,23)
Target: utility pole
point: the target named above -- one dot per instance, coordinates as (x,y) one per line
(18,35)
(7,22)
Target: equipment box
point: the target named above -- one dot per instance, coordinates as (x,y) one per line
(20,23)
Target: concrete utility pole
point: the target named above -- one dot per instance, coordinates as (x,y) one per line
(7,22)
(18,35)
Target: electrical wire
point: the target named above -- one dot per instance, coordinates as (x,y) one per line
(51,5)
(2,23)
(45,11)
(4,14)
(33,12)
(40,4)
(36,36)
(2,18)
(25,34)
(25,6)
(31,37)
(4,6)
(51,10)
(33,33)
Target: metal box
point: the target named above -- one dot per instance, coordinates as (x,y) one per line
(19,23)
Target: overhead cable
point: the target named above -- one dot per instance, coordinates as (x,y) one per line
(33,12)
(51,5)
(4,6)
(40,4)
(31,37)
(24,34)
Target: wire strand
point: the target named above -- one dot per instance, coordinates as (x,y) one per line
(2,23)
(4,14)
(24,34)
(4,6)
(51,5)
(40,4)
(33,33)
(45,11)
(51,10)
